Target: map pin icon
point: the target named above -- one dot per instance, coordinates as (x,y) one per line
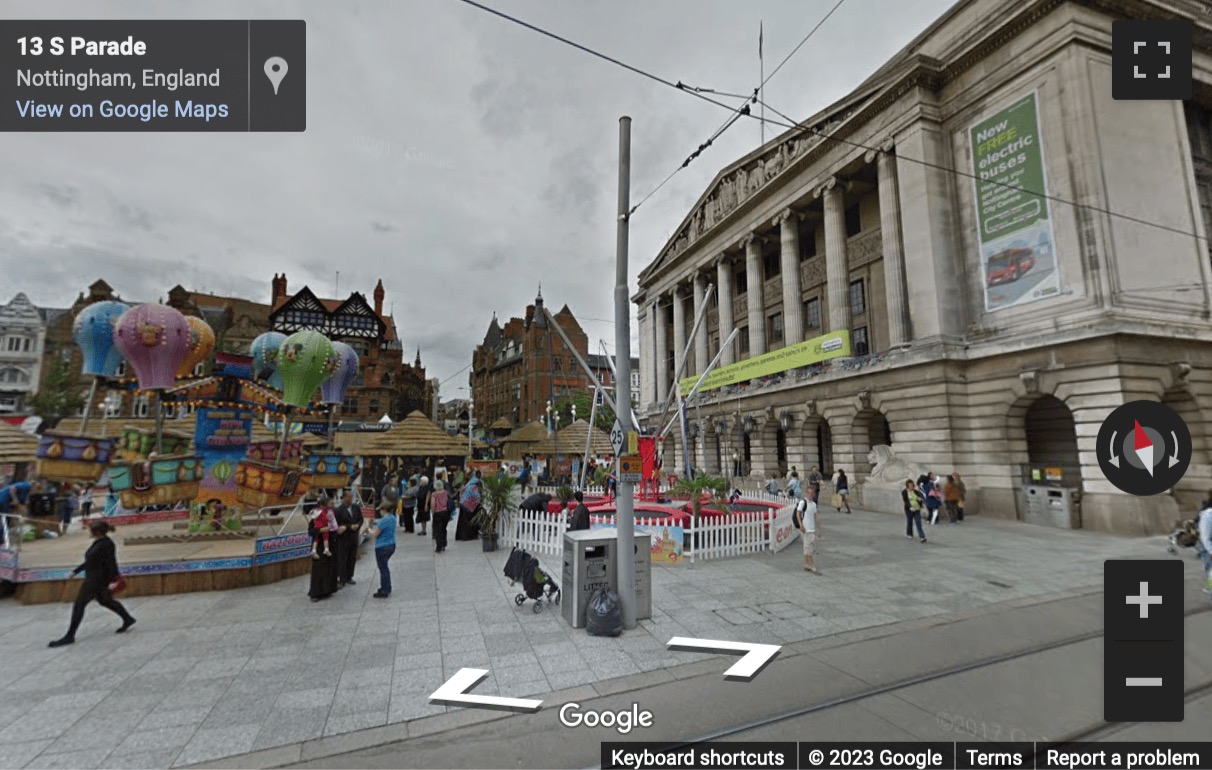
(275,70)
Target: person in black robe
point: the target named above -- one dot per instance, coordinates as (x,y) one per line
(100,568)
(349,521)
(323,568)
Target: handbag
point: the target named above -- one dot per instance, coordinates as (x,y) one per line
(837,501)
(117,585)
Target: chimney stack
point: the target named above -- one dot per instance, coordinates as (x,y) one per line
(379,294)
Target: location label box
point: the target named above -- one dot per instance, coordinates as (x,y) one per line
(153,76)
(1143,641)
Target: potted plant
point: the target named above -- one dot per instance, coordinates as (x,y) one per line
(498,499)
(712,489)
(564,494)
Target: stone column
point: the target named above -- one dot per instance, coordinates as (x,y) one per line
(793,302)
(679,331)
(928,225)
(702,356)
(661,387)
(837,273)
(894,251)
(723,273)
(645,356)
(755,298)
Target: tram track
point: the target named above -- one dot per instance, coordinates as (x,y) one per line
(1090,733)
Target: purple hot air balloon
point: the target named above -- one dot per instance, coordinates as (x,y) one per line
(344,369)
(154,340)
(93,331)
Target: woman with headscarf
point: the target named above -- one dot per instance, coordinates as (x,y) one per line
(423,492)
(469,506)
(100,569)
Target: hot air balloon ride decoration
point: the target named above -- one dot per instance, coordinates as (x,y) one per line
(201,345)
(264,351)
(154,340)
(93,332)
(330,469)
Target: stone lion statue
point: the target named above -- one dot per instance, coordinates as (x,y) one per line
(890,470)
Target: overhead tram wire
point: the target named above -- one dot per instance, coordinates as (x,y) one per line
(811,32)
(801,126)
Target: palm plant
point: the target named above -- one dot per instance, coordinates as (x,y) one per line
(564,494)
(498,499)
(713,488)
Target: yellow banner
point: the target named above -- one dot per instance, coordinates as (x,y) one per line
(814,351)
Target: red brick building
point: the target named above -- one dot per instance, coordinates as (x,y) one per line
(522,365)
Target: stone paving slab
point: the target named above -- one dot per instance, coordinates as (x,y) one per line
(212,675)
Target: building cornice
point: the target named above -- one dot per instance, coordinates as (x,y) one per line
(812,144)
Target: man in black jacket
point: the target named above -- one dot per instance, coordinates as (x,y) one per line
(349,525)
(580,515)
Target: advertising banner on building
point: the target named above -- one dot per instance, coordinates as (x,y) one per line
(1014,221)
(221,439)
(813,351)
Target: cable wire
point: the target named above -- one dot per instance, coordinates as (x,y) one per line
(811,32)
(801,126)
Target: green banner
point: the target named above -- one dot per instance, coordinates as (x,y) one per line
(1018,261)
(814,351)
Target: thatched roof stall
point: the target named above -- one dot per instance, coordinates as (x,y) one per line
(571,441)
(415,436)
(413,445)
(16,448)
(522,440)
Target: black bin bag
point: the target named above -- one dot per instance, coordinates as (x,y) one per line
(604,616)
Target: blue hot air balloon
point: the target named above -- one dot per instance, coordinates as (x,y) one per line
(265,358)
(343,370)
(93,331)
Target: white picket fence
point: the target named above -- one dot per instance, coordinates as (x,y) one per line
(714,537)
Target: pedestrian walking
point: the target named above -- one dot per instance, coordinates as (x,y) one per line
(408,504)
(349,531)
(914,504)
(951,499)
(86,500)
(439,501)
(794,489)
(68,499)
(100,570)
(772,484)
(384,533)
(806,522)
(814,482)
(423,492)
(933,495)
(470,500)
(841,488)
(963,493)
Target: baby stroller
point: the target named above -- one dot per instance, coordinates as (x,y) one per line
(1185,535)
(536,583)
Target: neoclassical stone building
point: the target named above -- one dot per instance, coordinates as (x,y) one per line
(1013,253)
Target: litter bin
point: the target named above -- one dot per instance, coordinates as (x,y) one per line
(1052,506)
(591,562)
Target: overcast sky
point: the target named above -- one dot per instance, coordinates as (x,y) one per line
(460,158)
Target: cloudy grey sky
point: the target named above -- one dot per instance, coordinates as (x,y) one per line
(460,158)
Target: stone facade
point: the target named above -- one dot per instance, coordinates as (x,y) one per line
(22,338)
(964,360)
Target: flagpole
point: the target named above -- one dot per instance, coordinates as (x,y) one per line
(762,82)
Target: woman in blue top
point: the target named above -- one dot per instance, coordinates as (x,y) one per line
(384,533)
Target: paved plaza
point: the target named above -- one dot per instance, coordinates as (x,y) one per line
(208,676)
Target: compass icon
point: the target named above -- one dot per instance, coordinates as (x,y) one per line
(1144,448)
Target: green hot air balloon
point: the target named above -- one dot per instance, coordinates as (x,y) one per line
(303,360)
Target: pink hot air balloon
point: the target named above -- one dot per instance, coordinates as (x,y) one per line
(154,340)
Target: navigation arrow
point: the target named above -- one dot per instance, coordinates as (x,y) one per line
(757,656)
(454,693)
(1174,457)
(1114,457)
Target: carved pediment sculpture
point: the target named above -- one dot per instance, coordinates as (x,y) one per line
(888,470)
